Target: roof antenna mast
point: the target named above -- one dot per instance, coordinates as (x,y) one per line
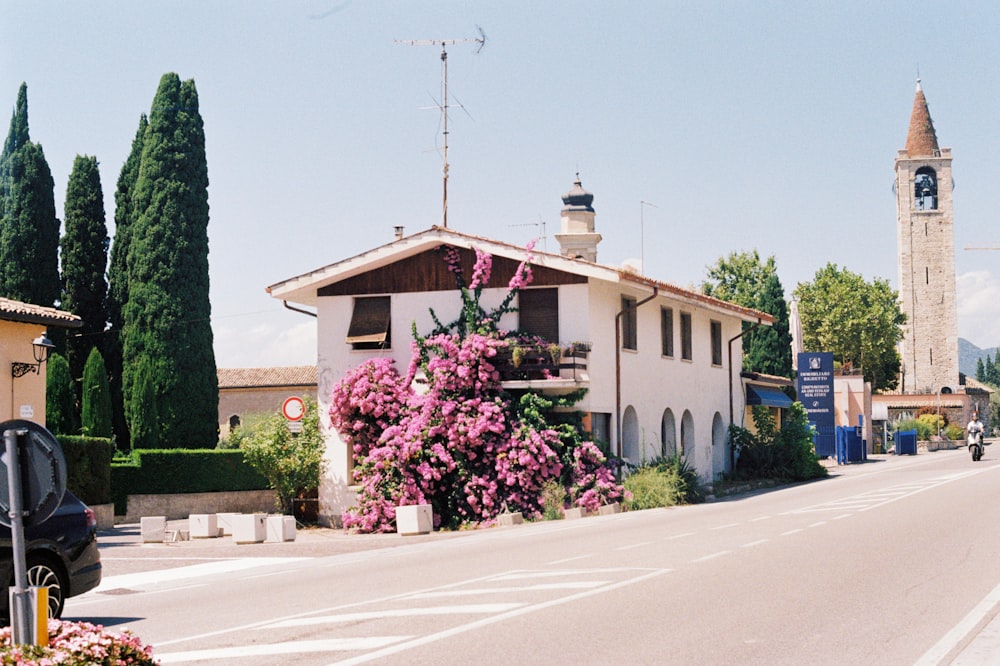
(443,43)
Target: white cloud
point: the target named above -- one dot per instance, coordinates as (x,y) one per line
(979,308)
(266,345)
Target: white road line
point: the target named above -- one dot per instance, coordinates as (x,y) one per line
(790,532)
(572,585)
(524,575)
(968,624)
(293,647)
(147,578)
(678,536)
(724,527)
(842,516)
(634,545)
(760,518)
(569,559)
(754,543)
(820,523)
(454,631)
(467,609)
(712,556)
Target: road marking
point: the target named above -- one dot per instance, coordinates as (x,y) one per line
(790,532)
(454,631)
(819,524)
(754,543)
(292,647)
(569,559)
(953,638)
(572,585)
(760,518)
(467,609)
(523,575)
(147,578)
(724,527)
(712,556)
(678,536)
(634,545)
(842,516)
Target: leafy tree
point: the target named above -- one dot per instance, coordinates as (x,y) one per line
(167,312)
(29,229)
(992,369)
(859,321)
(60,410)
(118,278)
(143,411)
(981,369)
(742,278)
(84,259)
(95,412)
(291,462)
(772,453)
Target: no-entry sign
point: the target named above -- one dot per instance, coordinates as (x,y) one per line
(293,408)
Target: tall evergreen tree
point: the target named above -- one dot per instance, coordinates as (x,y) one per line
(95,412)
(118,280)
(60,410)
(744,279)
(989,369)
(84,260)
(143,411)
(167,315)
(29,229)
(981,369)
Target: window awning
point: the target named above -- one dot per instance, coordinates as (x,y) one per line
(769,396)
(370,321)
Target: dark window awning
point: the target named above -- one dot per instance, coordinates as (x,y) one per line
(769,396)
(370,321)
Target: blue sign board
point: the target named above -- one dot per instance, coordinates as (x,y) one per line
(815,387)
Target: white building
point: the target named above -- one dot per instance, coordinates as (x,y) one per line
(662,373)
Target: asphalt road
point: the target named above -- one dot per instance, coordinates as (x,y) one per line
(894,561)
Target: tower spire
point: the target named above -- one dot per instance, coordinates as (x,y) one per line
(921,140)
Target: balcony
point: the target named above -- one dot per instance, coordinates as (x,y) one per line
(544,367)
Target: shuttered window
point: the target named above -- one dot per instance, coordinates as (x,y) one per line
(686,352)
(667,331)
(629,323)
(370,323)
(538,313)
(716,331)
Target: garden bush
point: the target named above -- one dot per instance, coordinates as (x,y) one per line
(663,482)
(769,453)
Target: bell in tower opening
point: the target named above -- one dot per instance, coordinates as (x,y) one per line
(925,189)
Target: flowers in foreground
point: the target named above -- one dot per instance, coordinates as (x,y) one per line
(78,644)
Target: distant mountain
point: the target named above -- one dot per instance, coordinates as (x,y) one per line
(969,353)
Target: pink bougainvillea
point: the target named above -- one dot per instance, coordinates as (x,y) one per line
(463,445)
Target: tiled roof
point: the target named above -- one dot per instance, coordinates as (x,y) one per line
(921,140)
(297,375)
(11,310)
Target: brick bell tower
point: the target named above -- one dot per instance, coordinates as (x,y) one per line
(926,244)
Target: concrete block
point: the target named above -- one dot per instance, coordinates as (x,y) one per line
(280,528)
(508,519)
(574,513)
(414,519)
(153,528)
(609,509)
(225,523)
(249,527)
(203,525)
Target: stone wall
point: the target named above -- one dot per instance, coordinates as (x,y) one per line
(178,506)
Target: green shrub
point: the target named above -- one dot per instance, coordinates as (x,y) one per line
(953,431)
(786,454)
(663,482)
(88,467)
(553,500)
(923,429)
(934,423)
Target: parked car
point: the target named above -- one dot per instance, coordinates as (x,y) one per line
(61,555)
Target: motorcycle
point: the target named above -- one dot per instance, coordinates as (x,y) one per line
(976,444)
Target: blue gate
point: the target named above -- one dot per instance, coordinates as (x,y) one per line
(850,445)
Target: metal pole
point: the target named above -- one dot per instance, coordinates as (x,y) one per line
(20,602)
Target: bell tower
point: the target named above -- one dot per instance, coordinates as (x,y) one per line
(926,241)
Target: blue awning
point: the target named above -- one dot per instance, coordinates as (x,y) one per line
(770,396)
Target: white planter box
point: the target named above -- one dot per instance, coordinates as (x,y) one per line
(280,528)
(575,512)
(249,527)
(203,525)
(225,523)
(414,519)
(508,519)
(153,528)
(609,509)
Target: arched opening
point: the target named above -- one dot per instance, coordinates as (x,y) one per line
(925,189)
(687,435)
(630,436)
(720,447)
(668,433)
(234,422)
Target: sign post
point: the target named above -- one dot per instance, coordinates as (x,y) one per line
(293,409)
(815,387)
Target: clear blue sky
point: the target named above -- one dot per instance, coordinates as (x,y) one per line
(768,125)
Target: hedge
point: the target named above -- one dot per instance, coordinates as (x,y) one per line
(166,471)
(88,467)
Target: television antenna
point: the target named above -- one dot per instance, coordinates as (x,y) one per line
(539,224)
(444,43)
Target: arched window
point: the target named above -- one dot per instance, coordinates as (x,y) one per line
(234,422)
(668,433)
(925,189)
(720,447)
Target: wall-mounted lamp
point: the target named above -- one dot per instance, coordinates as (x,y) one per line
(40,347)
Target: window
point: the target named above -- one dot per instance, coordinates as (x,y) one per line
(370,323)
(686,336)
(629,323)
(716,328)
(667,331)
(538,313)
(925,189)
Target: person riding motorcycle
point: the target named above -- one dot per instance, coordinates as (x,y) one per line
(976,428)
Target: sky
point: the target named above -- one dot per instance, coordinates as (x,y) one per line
(743,125)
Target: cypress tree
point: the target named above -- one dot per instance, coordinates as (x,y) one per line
(95,412)
(29,230)
(118,280)
(768,349)
(84,260)
(980,369)
(143,413)
(989,370)
(60,410)
(167,314)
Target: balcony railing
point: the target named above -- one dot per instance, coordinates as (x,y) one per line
(538,362)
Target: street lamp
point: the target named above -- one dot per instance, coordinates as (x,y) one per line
(40,348)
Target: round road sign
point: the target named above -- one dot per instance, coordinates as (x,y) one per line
(43,476)
(293,408)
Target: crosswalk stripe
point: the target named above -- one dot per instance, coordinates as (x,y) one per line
(291,647)
(468,609)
